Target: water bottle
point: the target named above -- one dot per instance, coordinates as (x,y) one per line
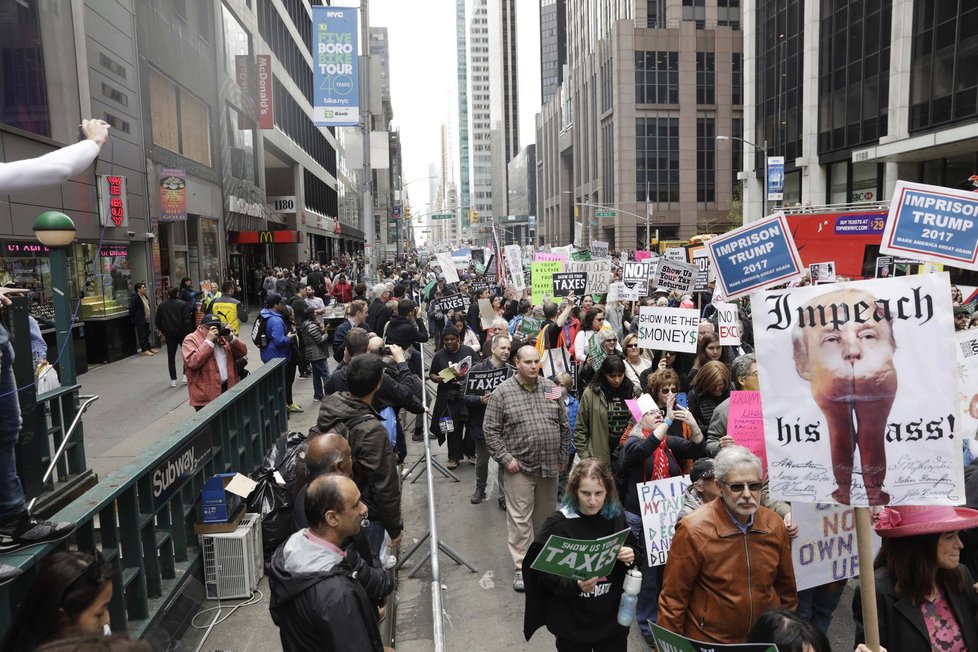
(629,597)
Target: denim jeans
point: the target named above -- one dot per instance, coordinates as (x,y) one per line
(817,604)
(648,596)
(11,492)
(320,374)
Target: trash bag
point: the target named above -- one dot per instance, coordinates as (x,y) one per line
(274,503)
(288,450)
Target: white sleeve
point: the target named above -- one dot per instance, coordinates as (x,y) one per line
(48,170)
(580,352)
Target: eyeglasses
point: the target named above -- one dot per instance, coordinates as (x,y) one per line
(738,487)
(667,390)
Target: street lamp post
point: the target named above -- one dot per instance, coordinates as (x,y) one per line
(56,231)
(763,149)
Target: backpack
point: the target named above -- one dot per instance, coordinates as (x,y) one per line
(259,334)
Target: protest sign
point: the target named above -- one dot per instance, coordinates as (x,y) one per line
(822,273)
(755,256)
(598,273)
(672,642)
(745,422)
(636,276)
(486,313)
(578,233)
(825,549)
(728,324)
(449,304)
(530,326)
(447,265)
(480,383)
(478,255)
(668,329)
(966,349)
(567,282)
(599,249)
(581,255)
(675,254)
(863,354)
(514,264)
(885,267)
(579,559)
(615,291)
(566,251)
(542,280)
(642,255)
(673,275)
(661,502)
(932,223)
(543,257)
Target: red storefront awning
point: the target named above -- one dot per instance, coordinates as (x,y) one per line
(264,237)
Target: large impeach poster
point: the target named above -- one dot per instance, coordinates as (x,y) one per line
(859,388)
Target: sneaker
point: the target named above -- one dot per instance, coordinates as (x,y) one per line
(305,375)
(153,351)
(470,459)
(317,398)
(148,353)
(295,407)
(502,503)
(183,379)
(173,383)
(417,437)
(25,531)
(477,497)
(518,585)
(650,641)
(8,573)
(452,464)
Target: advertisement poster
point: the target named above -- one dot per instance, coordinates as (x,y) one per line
(173,195)
(579,559)
(745,422)
(263,91)
(775,178)
(728,324)
(966,349)
(335,67)
(673,275)
(661,502)
(542,280)
(825,549)
(755,256)
(598,274)
(842,373)
(668,329)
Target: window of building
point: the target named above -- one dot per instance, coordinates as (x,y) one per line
(656,77)
(839,183)
(728,13)
(695,10)
(241,145)
(705,78)
(24,103)
(278,36)
(705,160)
(736,149)
(655,14)
(180,121)
(205,20)
(608,162)
(657,159)
(607,80)
(737,78)
(237,43)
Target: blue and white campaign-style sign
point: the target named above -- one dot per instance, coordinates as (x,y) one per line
(335,67)
(754,257)
(932,223)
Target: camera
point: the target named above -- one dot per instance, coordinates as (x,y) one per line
(385,351)
(224,331)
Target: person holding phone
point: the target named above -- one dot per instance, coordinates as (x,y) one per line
(209,353)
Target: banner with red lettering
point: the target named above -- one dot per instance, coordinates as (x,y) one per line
(859,387)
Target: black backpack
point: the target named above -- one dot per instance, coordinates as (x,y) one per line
(259,334)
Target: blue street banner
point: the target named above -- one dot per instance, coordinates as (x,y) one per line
(775,178)
(335,67)
(754,257)
(931,223)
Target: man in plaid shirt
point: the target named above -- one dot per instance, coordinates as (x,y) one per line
(527,432)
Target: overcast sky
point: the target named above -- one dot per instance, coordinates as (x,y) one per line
(423,80)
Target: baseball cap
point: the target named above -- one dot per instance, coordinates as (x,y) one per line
(273,299)
(211,320)
(702,469)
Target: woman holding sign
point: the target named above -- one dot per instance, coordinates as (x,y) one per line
(580,613)
(925,598)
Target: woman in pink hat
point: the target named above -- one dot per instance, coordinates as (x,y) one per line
(925,598)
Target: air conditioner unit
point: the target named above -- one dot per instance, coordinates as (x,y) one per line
(233,562)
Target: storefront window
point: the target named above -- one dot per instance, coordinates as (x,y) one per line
(210,252)
(863,182)
(838,183)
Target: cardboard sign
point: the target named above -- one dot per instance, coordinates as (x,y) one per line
(755,256)
(578,233)
(530,326)
(598,274)
(822,273)
(447,265)
(867,366)
(579,559)
(675,254)
(966,350)
(514,264)
(728,324)
(825,549)
(668,329)
(636,276)
(480,383)
(615,291)
(642,255)
(599,249)
(487,313)
(543,257)
(674,275)
(932,223)
(542,280)
(745,422)
(672,642)
(567,282)
(661,502)
(449,304)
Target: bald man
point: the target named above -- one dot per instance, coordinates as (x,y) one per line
(329,453)
(853,381)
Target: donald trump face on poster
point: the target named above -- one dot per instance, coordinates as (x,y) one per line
(848,359)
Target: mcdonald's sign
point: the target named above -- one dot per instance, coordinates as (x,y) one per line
(264,237)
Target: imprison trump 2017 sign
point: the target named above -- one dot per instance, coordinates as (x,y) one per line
(754,257)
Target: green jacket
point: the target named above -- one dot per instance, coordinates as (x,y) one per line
(591,430)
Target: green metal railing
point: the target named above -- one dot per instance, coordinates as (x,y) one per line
(141,516)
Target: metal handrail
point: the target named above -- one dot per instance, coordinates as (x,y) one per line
(82,407)
(836,208)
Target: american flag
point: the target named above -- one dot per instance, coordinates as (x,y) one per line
(552,394)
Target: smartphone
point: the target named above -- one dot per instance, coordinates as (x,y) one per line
(681,400)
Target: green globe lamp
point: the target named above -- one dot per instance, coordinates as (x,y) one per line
(56,231)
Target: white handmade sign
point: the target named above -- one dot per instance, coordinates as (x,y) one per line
(668,329)
(661,502)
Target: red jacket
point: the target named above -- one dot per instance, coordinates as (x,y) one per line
(343,292)
(200,366)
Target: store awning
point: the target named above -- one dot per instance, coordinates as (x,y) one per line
(264,237)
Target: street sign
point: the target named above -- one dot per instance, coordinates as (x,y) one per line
(606,214)
(396,211)
(442,216)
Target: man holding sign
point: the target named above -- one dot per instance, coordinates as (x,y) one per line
(729,561)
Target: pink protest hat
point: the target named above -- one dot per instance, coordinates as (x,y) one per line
(911,520)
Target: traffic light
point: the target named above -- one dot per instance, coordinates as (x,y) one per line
(407,213)
(475,216)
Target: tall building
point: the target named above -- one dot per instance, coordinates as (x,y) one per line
(553,47)
(649,86)
(858,95)
(480,144)
(462,85)
(503,98)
